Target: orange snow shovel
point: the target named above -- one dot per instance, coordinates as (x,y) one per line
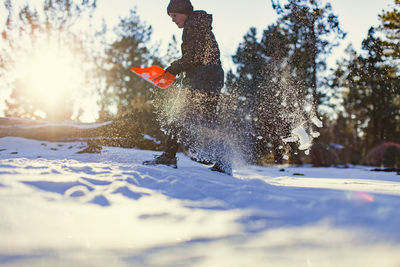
(155,75)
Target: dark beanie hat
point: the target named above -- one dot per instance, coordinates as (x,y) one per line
(180,6)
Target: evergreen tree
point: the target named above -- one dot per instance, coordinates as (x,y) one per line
(131,49)
(313,30)
(391,27)
(131,95)
(276,77)
(257,84)
(371,101)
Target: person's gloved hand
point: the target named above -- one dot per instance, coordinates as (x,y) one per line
(164,80)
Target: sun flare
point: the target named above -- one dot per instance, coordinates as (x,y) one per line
(52,75)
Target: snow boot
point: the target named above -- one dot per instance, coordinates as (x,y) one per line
(201,161)
(221,167)
(163,159)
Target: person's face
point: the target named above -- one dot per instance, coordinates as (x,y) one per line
(179,19)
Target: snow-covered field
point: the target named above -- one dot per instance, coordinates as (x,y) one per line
(59,208)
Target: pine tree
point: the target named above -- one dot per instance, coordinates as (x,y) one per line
(258,84)
(313,30)
(276,76)
(131,95)
(370,102)
(131,49)
(391,26)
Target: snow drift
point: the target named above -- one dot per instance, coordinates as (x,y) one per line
(60,208)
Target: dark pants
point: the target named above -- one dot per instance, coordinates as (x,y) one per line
(201,112)
(204,84)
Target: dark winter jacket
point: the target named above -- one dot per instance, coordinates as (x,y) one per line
(200,54)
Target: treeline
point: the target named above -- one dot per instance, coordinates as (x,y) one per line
(359,100)
(282,72)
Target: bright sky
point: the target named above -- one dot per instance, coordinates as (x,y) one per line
(232,20)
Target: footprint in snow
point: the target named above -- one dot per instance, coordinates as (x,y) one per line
(55,187)
(96,182)
(100,200)
(126,192)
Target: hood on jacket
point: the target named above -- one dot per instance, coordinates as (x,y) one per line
(199,19)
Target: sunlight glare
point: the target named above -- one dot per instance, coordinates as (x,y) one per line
(53,78)
(53,74)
